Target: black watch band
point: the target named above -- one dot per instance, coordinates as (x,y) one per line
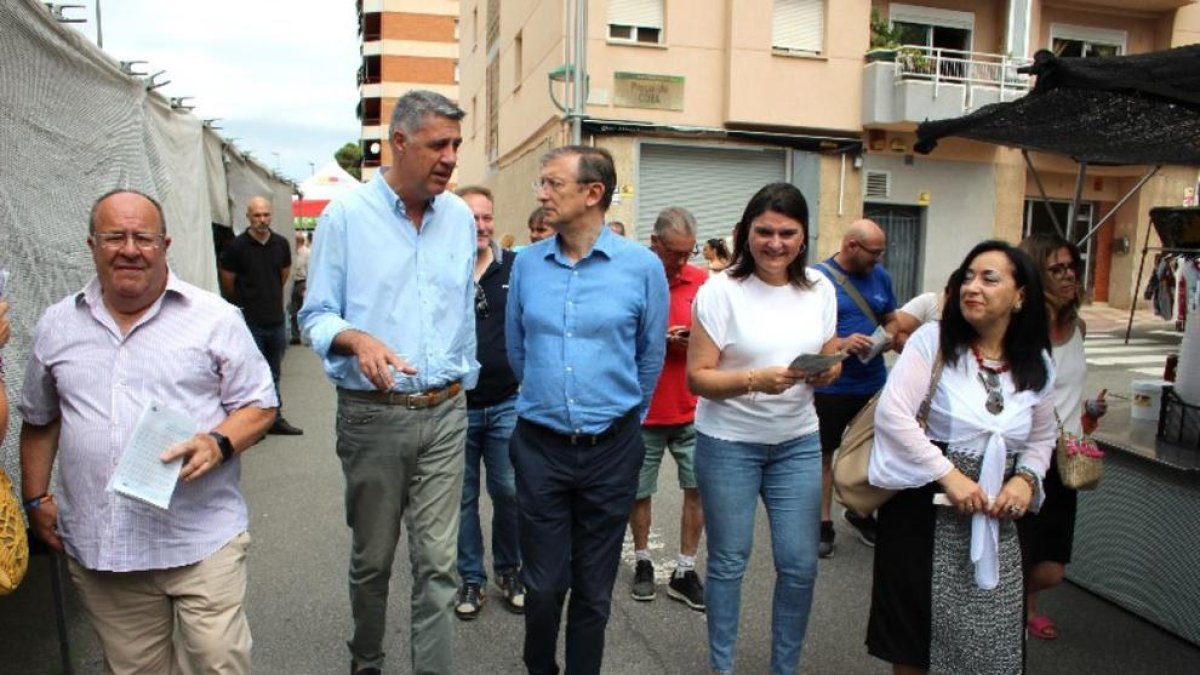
(224,444)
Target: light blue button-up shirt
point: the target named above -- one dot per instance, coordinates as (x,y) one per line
(586,339)
(372,271)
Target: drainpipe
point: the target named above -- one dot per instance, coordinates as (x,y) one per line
(580,72)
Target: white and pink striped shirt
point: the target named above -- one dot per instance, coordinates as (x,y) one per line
(191,351)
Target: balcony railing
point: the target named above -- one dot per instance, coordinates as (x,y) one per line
(967,69)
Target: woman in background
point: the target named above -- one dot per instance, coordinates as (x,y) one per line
(717,254)
(756,429)
(1047,537)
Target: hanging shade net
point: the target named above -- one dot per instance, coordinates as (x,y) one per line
(1140,109)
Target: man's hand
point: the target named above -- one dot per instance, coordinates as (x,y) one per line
(201,454)
(44,521)
(677,337)
(857,344)
(375,360)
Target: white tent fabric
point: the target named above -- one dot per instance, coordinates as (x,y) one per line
(328,183)
(72,127)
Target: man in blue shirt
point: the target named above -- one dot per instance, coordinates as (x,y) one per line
(390,308)
(587,310)
(865,302)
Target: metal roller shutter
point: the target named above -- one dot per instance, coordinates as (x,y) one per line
(713,183)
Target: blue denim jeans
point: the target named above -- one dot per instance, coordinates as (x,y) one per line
(488,432)
(272,342)
(732,476)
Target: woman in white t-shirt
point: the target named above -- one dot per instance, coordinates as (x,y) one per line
(756,427)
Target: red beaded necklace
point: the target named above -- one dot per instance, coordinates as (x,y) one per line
(979,360)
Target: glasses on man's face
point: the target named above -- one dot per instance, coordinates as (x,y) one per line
(672,254)
(146,241)
(876,252)
(481,303)
(551,184)
(1061,270)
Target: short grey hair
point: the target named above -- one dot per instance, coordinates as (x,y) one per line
(412,108)
(675,219)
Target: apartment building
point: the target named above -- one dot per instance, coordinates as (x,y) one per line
(406,44)
(701,102)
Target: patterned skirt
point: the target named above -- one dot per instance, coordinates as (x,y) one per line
(926,610)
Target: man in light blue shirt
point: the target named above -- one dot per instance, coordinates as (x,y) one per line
(587,310)
(390,308)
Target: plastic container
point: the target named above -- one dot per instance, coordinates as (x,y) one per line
(1147,399)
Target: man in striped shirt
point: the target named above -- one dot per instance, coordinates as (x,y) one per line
(137,335)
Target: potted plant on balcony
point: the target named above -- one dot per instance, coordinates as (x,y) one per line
(885,39)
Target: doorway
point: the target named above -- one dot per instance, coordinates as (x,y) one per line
(904,228)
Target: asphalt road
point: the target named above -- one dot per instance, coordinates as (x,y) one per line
(299,613)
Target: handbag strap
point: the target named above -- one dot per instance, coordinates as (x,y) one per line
(841,280)
(935,376)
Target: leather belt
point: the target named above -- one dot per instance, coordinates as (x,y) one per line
(421,401)
(587,439)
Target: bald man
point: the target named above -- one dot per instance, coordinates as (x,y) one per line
(254,269)
(865,303)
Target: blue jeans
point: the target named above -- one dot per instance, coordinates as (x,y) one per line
(272,342)
(488,433)
(732,476)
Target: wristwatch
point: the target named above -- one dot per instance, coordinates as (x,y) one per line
(224,444)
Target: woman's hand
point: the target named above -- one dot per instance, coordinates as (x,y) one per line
(774,380)
(964,493)
(825,377)
(1013,500)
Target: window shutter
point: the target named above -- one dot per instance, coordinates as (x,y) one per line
(799,25)
(641,13)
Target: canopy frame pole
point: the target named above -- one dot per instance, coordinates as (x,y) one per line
(1073,212)
(1113,211)
(1137,287)
(1037,180)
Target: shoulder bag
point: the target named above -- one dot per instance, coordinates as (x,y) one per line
(853,456)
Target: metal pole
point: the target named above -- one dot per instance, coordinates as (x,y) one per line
(99,28)
(1074,210)
(1137,287)
(1113,211)
(580,92)
(1037,179)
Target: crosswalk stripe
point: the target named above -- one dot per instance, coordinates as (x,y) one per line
(1154,372)
(1134,359)
(1115,349)
(1118,341)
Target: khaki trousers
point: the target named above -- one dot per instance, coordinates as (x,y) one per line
(179,620)
(404,469)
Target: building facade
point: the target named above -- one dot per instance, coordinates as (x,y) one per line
(406,44)
(701,102)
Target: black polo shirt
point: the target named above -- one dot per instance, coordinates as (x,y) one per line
(258,286)
(496,379)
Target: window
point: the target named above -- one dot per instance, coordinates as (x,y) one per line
(635,21)
(1081,41)
(369,71)
(456,72)
(492,92)
(932,28)
(368,111)
(799,26)
(372,26)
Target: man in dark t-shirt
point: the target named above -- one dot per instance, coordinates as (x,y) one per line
(254,269)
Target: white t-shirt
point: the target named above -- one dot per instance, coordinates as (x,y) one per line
(925,307)
(756,325)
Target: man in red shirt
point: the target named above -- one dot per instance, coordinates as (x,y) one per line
(668,425)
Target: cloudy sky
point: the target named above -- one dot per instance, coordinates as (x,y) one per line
(279,73)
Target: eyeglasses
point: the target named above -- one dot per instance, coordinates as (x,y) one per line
(1060,270)
(552,184)
(873,251)
(673,254)
(481,303)
(145,241)
(995,395)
